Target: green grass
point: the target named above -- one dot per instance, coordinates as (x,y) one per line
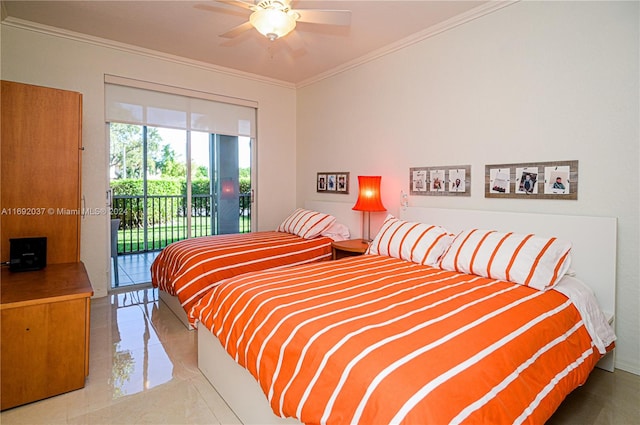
(159,236)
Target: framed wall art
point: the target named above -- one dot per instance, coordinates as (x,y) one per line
(333,182)
(540,180)
(450,180)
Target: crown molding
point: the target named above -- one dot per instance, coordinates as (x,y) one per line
(128,48)
(432,31)
(3,11)
(475,13)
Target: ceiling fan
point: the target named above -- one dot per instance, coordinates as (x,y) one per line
(275,18)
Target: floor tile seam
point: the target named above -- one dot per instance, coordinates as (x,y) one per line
(113,404)
(203,397)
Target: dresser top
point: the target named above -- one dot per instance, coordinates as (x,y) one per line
(56,282)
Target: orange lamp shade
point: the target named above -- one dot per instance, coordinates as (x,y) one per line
(369,194)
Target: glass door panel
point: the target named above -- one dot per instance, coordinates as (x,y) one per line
(165,187)
(168,185)
(245,159)
(203,204)
(126,181)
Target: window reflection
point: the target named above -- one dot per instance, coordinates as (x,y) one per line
(139,360)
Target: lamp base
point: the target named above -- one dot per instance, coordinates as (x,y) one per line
(366,229)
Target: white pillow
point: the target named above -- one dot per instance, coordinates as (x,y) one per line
(593,317)
(416,242)
(337,231)
(529,260)
(306,223)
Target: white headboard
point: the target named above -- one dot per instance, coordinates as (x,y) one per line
(593,252)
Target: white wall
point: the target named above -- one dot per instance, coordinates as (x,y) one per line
(535,81)
(44,59)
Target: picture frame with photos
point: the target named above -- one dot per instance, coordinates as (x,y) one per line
(448,180)
(536,180)
(333,182)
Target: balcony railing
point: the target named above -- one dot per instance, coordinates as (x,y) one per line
(165,220)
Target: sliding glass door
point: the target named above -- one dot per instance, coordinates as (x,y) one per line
(180,163)
(221,183)
(168,185)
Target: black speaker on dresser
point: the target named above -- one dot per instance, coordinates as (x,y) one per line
(27,254)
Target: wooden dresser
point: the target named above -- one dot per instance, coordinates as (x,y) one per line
(44,314)
(41,168)
(45,332)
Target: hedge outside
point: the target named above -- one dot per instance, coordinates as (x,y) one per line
(131,210)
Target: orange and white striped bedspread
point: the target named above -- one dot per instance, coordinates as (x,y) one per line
(373,339)
(189,268)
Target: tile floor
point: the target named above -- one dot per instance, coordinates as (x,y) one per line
(143,370)
(133,269)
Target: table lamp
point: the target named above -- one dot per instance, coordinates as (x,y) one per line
(368,201)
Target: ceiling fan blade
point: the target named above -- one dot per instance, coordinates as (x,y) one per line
(237,30)
(331,17)
(239,3)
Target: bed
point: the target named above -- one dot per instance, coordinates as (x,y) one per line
(322,355)
(185,270)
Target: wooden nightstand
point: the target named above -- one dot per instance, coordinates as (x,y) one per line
(349,248)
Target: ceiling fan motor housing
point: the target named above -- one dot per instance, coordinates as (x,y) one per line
(282,5)
(273,18)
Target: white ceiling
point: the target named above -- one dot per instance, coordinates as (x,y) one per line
(190,29)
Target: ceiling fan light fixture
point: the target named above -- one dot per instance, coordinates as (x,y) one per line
(273,23)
